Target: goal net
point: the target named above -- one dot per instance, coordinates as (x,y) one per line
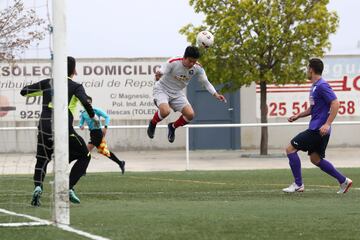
(26,57)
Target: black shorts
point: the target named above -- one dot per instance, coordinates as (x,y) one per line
(311,141)
(96,136)
(77,146)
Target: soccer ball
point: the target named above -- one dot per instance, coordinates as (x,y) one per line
(205,39)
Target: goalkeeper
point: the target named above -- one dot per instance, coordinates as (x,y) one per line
(97,134)
(77,146)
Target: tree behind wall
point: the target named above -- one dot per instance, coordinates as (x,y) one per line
(262,41)
(19,27)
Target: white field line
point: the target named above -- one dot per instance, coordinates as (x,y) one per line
(41,222)
(36,220)
(200,182)
(221,183)
(81,233)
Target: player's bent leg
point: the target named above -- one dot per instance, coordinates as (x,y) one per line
(40,170)
(78,170)
(315,159)
(44,152)
(39,175)
(295,166)
(122,166)
(163,112)
(121,163)
(328,167)
(188,113)
(79,152)
(76,173)
(90,147)
(290,149)
(185,118)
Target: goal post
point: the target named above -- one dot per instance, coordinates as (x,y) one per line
(20,115)
(61,209)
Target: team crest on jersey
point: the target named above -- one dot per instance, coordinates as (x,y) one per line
(181,78)
(311,97)
(311,100)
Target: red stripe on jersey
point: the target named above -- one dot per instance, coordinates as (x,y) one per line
(175,59)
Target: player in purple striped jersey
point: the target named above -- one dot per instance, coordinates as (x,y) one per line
(323,109)
(171,79)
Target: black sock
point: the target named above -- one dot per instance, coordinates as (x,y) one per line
(114,158)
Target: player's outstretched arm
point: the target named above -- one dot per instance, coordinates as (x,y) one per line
(334,108)
(220,97)
(81,122)
(164,69)
(305,113)
(101,113)
(209,87)
(35,89)
(83,98)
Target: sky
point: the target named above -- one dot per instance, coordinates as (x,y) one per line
(142,28)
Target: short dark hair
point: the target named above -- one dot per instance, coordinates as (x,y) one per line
(71,64)
(316,65)
(192,51)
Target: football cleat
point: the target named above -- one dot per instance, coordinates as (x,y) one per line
(73,198)
(344,187)
(122,166)
(151,130)
(294,188)
(35,201)
(171,132)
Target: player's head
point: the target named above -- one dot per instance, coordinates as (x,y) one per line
(316,67)
(192,51)
(191,55)
(71,66)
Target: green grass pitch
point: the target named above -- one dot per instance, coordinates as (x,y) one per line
(194,205)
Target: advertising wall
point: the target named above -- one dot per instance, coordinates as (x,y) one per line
(343,75)
(121,87)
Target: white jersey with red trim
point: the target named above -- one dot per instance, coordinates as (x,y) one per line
(176,77)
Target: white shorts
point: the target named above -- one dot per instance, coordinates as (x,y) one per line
(177,103)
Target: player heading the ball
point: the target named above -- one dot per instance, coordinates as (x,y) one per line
(168,92)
